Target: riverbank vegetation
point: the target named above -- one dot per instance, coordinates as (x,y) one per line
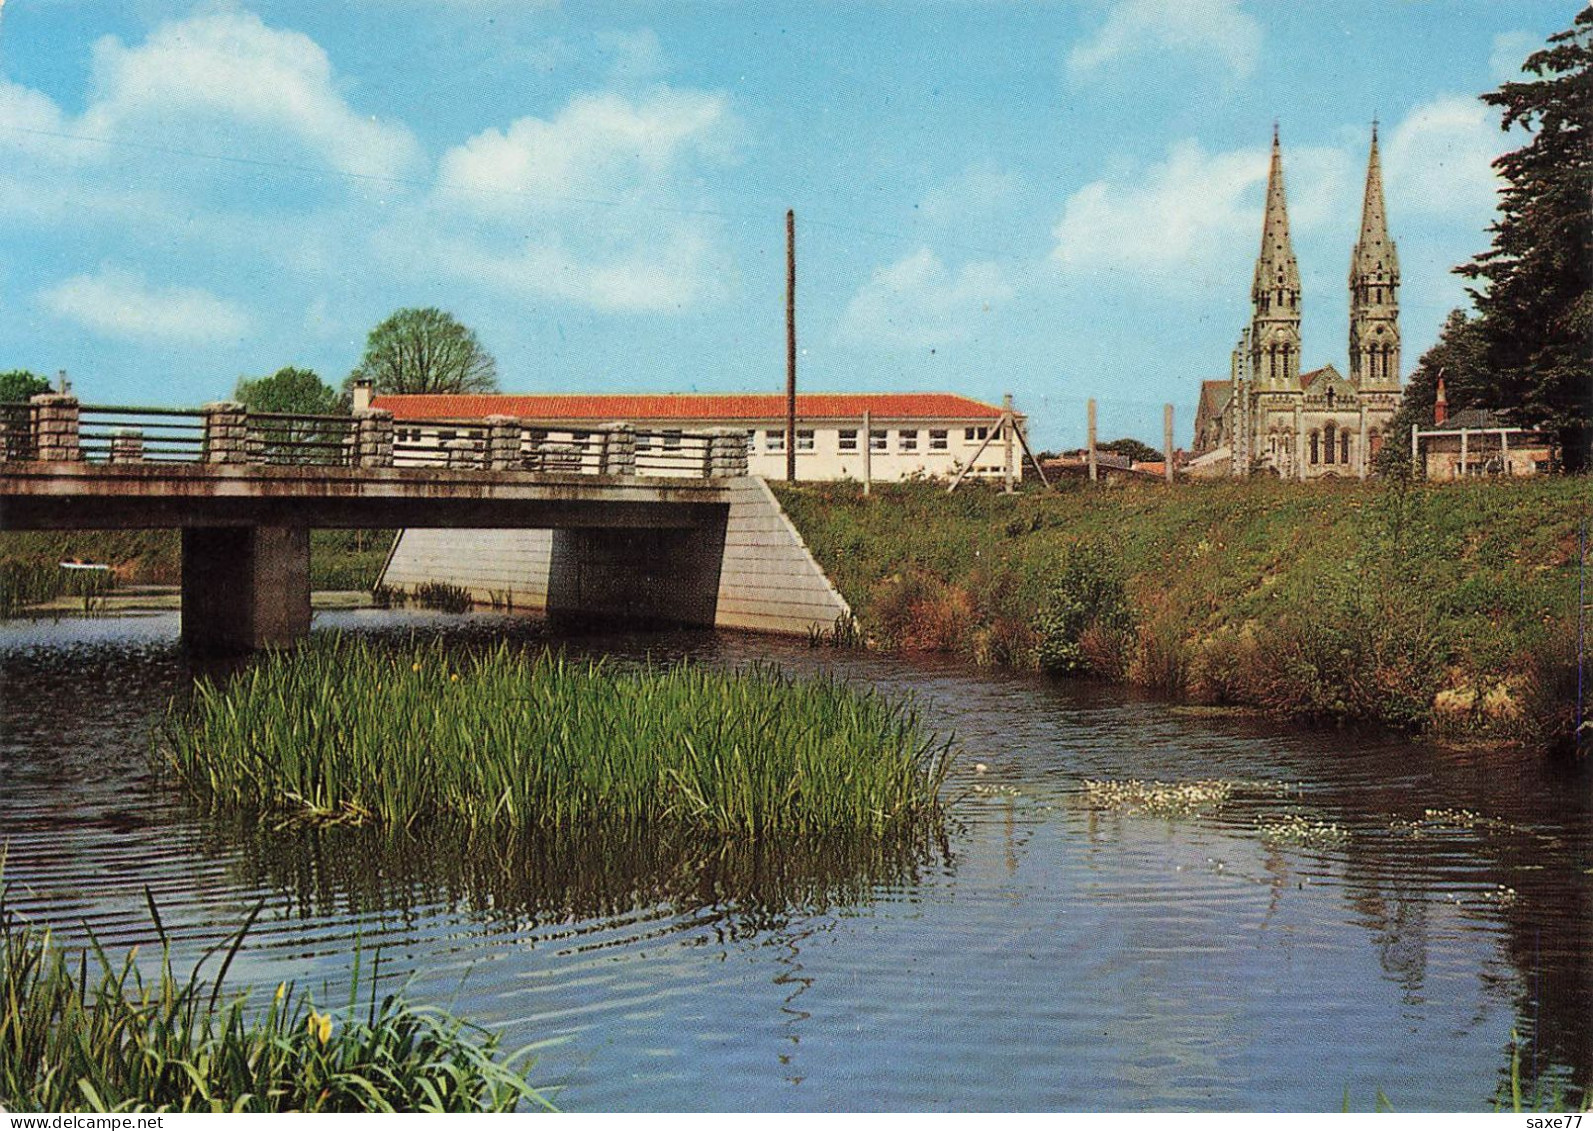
(80,1031)
(518,741)
(1444,608)
(30,570)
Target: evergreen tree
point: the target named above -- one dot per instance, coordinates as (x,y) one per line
(1536,301)
(289,390)
(1461,356)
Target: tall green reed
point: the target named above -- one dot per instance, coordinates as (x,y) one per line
(513,740)
(80,1031)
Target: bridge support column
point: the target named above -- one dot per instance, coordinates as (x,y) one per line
(245,587)
(636,576)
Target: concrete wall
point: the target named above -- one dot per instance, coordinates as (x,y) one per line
(766,579)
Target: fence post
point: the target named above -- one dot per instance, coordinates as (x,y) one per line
(619,456)
(227,433)
(127,445)
(503,443)
(55,428)
(373,430)
(727,453)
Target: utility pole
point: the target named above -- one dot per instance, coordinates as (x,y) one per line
(790,345)
(1094,474)
(1167,439)
(1007,430)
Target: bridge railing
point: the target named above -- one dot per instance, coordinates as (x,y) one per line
(53,427)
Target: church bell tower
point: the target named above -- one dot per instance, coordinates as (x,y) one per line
(1374,291)
(1275,293)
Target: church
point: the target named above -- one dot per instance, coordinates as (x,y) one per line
(1268,416)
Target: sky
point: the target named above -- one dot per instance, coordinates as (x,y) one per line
(1060,201)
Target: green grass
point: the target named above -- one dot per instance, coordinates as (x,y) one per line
(83,1032)
(511,740)
(1428,607)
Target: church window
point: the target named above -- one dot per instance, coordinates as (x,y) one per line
(1330,396)
(1344,447)
(1327,435)
(1316,454)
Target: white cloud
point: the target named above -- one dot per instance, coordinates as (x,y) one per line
(1212,29)
(1510,50)
(1439,160)
(1187,221)
(122,304)
(227,66)
(599,146)
(594,205)
(916,302)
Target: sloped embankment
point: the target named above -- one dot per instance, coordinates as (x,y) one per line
(1450,608)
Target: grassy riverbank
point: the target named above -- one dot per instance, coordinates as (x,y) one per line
(1447,608)
(513,741)
(81,1032)
(30,570)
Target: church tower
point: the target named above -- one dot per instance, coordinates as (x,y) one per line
(1374,291)
(1275,293)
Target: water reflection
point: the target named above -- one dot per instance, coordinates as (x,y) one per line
(531,882)
(1040,955)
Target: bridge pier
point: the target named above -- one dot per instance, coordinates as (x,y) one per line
(245,587)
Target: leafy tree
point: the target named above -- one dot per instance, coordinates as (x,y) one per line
(1536,301)
(289,390)
(1134,449)
(19,384)
(425,351)
(1461,356)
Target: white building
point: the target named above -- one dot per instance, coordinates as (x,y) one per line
(898,435)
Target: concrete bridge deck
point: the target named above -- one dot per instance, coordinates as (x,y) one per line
(633,525)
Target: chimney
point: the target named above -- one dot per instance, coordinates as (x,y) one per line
(1440,402)
(362,395)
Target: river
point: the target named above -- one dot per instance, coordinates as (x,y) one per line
(1045,954)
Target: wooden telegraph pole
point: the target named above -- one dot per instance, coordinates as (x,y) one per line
(1094,474)
(1167,440)
(790,345)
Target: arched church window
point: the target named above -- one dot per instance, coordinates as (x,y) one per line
(1327,435)
(1344,446)
(1316,454)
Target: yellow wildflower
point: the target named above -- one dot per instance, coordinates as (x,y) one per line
(282,990)
(414,667)
(455,677)
(320,1025)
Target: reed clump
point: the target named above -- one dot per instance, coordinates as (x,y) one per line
(341,731)
(82,1032)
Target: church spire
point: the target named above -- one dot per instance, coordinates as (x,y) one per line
(1275,293)
(1374,289)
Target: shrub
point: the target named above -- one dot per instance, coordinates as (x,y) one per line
(1084,626)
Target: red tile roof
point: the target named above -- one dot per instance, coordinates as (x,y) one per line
(601,408)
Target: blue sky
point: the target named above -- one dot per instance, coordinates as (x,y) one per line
(1060,201)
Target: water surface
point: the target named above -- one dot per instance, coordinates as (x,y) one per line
(1041,954)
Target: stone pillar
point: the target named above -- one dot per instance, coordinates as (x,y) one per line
(727,454)
(1363,446)
(619,449)
(460,454)
(503,443)
(127,445)
(373,431)
(55,428)
(227,434)
(245,587)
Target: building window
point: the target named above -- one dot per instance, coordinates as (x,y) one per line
(752,441)
(974,435)
(907,440)
(804,439)
(846,440)
(1327,446)
(774,440)
(876,439)
(1344,447)
(447,434)
(937,439)
(671,439)
(1316,453)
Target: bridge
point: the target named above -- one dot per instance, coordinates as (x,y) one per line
(639,518)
